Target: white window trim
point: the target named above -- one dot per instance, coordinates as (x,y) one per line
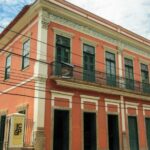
(63,33)
(91,99)
(112,102)
(131,105)
(64,95)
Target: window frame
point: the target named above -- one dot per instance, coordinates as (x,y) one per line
(111,78)
(62,46)
(25,55)
(129,82)
(92,75)
(7,67)
(144,71)
(110,61)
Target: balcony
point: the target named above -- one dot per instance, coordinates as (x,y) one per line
(75,74)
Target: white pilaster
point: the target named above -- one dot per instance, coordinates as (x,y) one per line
(123,114)
(40,71)
(120,64)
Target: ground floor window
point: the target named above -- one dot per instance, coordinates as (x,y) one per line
(133,133)
(113,132)
(2,130)
(61,130)
(89,131)
(147,123)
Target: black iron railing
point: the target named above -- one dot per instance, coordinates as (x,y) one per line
(68,71)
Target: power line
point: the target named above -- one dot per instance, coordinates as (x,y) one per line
(55,47)
(33,59)
(73,102)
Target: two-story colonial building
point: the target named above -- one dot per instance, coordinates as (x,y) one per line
(81,81)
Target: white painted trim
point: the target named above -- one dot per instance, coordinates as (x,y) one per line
(145,107)
(144,61)
(120,65)
(40,71)
(110,49)
(92,99)
(99,89)
(112,102)
(123,114)
(63,32)
(64,95)
(128,56)
(89,42)
(95,34)
(17,85)
(131,105)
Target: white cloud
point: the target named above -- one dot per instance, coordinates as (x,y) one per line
(9,9)
(131,14)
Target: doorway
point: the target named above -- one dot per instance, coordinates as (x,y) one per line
(113,132)
(133,133)
(61,130)
(90,140)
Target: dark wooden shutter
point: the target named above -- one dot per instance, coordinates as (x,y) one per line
(90,131)
(2,130)
(89,63)
(113,132)
(133,133)
(147,122)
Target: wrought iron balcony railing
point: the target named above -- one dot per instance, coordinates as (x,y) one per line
(68,71)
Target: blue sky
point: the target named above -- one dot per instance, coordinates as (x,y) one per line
(9,9)
(131,14)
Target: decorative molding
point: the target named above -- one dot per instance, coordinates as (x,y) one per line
(89,42)
(110,49)
(96,34)
(121,46)
(97,88)
(58,94)
(91,99)
(63,32)
(126,55)
(143,61)
(123,114)
(45,19)
(131,105)
(112,102)
(145,107)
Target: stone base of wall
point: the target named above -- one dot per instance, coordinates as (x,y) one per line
(39,142)
(125,143)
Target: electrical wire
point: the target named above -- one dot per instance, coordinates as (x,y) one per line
(55,47)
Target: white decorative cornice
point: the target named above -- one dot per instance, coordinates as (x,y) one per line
(45,19)
(96,34)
